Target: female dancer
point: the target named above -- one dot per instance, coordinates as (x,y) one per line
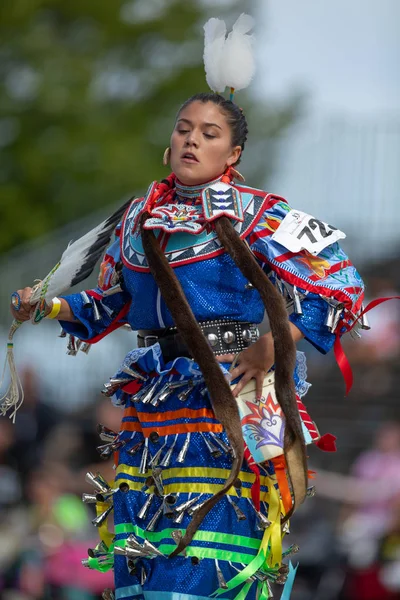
(194,264)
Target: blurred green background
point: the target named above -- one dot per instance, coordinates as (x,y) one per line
(88,94)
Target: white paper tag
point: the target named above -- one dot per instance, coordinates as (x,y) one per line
(300,231)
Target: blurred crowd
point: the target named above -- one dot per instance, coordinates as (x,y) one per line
(349,534)
(45,529)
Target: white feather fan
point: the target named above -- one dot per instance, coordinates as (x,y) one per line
(78,260)
(229,61)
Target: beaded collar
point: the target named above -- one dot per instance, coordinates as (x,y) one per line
(192,192)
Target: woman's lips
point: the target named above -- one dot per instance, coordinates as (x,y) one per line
(189,159)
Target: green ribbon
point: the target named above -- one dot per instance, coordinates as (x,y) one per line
(200,536)
(244,591)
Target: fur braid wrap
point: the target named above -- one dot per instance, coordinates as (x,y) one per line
(223,403)
(285,356)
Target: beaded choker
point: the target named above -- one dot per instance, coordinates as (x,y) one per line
(192,192)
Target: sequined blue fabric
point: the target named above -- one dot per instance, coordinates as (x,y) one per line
(155,434)
(311,323)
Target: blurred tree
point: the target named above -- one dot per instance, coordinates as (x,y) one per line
(88,95)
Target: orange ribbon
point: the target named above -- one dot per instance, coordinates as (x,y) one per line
(280,471)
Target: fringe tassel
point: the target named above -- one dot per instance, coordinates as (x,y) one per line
(14,396)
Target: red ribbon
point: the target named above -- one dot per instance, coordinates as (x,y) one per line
(340,356)
(256,487)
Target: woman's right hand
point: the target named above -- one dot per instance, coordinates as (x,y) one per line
(24,312)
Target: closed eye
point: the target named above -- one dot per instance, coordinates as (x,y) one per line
(209,136)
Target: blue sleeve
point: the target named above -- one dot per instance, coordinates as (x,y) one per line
(312,322)
(88,326)
(97,313)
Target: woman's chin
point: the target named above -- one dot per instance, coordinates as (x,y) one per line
(188,177)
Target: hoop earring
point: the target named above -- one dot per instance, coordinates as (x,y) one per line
(235,173)
(166,157)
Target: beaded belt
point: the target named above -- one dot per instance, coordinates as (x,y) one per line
(224,337)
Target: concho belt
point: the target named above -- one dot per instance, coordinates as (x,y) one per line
(224,337)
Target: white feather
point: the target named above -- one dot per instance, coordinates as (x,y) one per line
(78,257)
(238,57)
(214,42)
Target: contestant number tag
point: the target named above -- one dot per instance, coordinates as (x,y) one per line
(300,231)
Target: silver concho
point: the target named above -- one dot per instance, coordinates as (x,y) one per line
(229,337)
(246,335)
(212,339)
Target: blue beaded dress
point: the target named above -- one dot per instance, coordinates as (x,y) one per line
(174,452)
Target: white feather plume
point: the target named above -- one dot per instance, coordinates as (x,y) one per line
(239,64)
(214,42)
(229,61)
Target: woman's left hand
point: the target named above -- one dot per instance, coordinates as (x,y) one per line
(254,362)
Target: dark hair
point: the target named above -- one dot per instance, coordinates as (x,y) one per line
(234,115)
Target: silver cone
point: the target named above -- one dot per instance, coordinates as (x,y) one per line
(264,522)
(178,518)
(213,450)
(85,347)
(108,594)
(220,442)
(98,482)
(156,458)
(221,579)
(96,312)
(135,448)
(297,303)
(157,477)
(185,505)
(311,491)
(72,350)
(154,520)
(89,498)
(99,520)
(134,373)
(146,398)
(100,549)
(87,303)
(168,455)
(105,451)
(115,289)
(151,549)
(156,398)
(184,449)
(286,529)
(106,496)
(184,395)
(172,386)
(143,462)
(133,541)
(142,514)
(106,434)
(143,576)
(239,513)
(193,509)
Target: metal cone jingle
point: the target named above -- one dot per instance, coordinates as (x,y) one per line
(151,549)
(98,482)
(99,520)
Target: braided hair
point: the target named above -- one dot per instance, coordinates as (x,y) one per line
(234,115)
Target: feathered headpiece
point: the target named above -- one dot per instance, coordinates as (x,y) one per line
(229,60)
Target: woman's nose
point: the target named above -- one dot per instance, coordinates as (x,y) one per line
(192,140)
